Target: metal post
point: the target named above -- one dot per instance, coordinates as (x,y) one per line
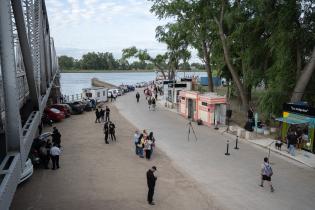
(236,143)
(227,147)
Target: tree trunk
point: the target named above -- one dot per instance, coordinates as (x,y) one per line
(208,66)
(304,79)
(161,69)
(231,68)
(298,61)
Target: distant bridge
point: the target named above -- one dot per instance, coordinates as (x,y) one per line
(29,76)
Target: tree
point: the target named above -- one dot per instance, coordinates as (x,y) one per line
(65,62)
(159,61)
(191,18)
(175,39)
(304,79)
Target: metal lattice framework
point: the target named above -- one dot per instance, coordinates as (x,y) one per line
(28,71)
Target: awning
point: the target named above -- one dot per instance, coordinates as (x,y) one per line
(292,121)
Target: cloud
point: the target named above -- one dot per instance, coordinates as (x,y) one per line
(79,26)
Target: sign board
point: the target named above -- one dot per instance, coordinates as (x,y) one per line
(299,109)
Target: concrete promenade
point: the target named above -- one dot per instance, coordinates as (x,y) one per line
(96,176)
(230,181)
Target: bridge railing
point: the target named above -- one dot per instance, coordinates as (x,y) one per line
(28,69)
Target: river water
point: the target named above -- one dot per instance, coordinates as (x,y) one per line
(72,83)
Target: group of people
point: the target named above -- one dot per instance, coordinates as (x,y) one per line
(109,131)
(144,144)
(102,115)
(50,150)
(296,138)
(109,126)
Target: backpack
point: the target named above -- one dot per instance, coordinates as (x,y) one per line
(268,170)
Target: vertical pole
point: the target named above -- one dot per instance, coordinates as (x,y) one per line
(227,147)
(8,68)
(236,143)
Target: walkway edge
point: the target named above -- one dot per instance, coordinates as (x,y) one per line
(254,143)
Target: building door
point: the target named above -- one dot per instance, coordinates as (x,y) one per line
(190,109)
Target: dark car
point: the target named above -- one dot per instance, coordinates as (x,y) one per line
(54,114)
(64,108)
(88,106)
(131,88)
(76,107)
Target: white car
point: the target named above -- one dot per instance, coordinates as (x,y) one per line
(112,92)
(27,172)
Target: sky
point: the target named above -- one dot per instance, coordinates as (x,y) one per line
(81,26)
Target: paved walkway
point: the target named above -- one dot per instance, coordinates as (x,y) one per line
(97,176)
(231,181)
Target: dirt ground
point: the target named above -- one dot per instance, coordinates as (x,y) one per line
(94,175)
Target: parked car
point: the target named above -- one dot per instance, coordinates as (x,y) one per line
(54,114)
(27,172)
(64,108)
(87,105)
(112,92)
(46,120)
(76,107)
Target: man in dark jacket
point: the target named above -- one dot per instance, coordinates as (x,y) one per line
(137,97)
(151,179)
(111,127)
(97,116)
(56,137)
(106,131)
(107,110)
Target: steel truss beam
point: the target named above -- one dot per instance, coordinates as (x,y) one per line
(26,51)
(24,37)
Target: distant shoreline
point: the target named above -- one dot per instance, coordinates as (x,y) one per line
(117,71)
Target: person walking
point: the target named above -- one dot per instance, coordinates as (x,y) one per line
(149,103)
(106,132)
(266,173)
(107,110)
(140,145)
(135,140)
(292,141)
(97,116)
(151,137)
(102,114)
(56,137)
(43,155)
(48,147)
(147,148)
(111,127)
(151,180)
(137,97)
(55,153)
(153,102)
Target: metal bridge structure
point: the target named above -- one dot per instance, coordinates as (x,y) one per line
(29,75)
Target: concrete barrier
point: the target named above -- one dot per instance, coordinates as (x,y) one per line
(240,132)
(248,135)
(266,132)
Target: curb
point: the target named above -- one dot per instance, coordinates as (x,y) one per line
(249,141)
(283,154)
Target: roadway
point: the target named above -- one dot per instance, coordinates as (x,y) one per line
(230,181)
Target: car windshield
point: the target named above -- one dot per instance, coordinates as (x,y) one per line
(55,110)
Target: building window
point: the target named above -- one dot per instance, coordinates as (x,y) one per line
(204,104)
(103,93)
(89,95)
(183,98)
(98,94)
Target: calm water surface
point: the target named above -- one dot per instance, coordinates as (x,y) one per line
(72,83)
